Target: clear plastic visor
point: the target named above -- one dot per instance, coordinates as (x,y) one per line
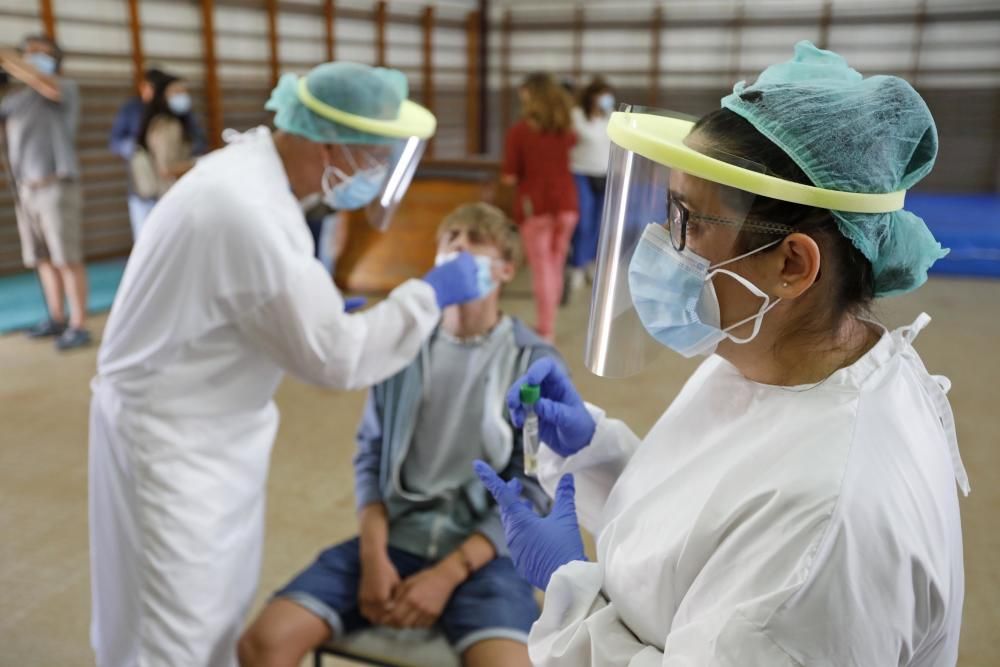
(400,160)
(700,225)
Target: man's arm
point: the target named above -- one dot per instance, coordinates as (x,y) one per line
(20,69)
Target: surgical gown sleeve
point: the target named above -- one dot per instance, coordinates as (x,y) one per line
(596,467)
(304,328)
(579,626)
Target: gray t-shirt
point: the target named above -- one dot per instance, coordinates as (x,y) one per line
(41,134)
(447,436)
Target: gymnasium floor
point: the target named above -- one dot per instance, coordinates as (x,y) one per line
(43,476)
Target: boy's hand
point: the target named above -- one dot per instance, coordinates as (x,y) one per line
(379,580)
(420,599)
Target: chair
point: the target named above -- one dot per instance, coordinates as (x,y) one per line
(388,647)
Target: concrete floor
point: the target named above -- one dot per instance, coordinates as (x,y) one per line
(43,474)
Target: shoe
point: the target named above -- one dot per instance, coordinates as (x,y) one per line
(46,329)
(73,338)
(577,279)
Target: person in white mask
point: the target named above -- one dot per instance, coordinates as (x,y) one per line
(221,296)
(796,504)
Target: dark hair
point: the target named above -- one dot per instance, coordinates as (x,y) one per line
(851,280)
(158,107)
(57,52)
(589,95)
(154,76)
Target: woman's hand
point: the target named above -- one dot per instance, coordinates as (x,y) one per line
(564,424)
(538,546)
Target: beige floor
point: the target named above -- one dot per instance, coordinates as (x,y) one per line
(43,417)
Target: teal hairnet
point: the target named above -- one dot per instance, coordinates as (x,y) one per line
(372,92)
(852,134)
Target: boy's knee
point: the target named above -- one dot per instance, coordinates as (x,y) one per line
(259,648)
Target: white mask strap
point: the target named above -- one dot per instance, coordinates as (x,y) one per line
(746,254)
(758,318)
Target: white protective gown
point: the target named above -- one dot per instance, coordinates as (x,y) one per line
(220,297)
(761,525)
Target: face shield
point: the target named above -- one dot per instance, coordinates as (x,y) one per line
(384,165)
(674,213)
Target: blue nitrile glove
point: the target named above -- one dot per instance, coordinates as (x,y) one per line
(456,281)
(353,303)
(538,545)
(564,424)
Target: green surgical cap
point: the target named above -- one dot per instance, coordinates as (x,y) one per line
(854,134)
(371,92)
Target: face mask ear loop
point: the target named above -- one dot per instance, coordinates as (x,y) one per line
(746,254)
(350,158)
(758,316)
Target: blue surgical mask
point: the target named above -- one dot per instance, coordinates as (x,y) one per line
(606,102)
(484,274)
(43,62)
(352,192)
(179,103)
(675,299)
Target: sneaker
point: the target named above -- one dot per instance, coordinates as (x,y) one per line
(73,338)
(46,329)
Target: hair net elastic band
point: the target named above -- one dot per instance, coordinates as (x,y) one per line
(413,120)
(661,139)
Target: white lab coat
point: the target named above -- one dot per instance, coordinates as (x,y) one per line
(761,525)
(220,297)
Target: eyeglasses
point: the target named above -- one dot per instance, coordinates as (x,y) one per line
(680,216)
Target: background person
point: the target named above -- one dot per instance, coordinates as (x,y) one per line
(536,161)
(41,121)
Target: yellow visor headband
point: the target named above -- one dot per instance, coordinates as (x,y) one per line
(413,120)
(661,139)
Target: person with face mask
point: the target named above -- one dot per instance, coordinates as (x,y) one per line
(220,297)
(40,120)
(588,160)
(796,504)
(167,141)
(430,550)
(129,124)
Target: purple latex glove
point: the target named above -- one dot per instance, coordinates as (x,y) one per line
(564,424)
(538,545)
(456,281)
(353,303)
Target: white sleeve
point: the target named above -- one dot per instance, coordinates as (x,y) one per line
(305,330)
(579,626)
(595,468)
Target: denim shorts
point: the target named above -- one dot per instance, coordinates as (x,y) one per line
(494,603)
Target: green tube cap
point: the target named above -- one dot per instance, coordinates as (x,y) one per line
(530,393)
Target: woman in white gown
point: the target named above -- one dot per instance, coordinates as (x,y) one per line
(796,503)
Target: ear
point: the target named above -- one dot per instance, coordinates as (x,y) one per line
(798,263)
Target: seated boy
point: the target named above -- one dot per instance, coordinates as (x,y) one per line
(431,549)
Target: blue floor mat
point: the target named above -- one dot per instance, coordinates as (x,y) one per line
(969,225)
(22,305)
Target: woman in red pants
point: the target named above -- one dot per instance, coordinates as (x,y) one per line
(536,160)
